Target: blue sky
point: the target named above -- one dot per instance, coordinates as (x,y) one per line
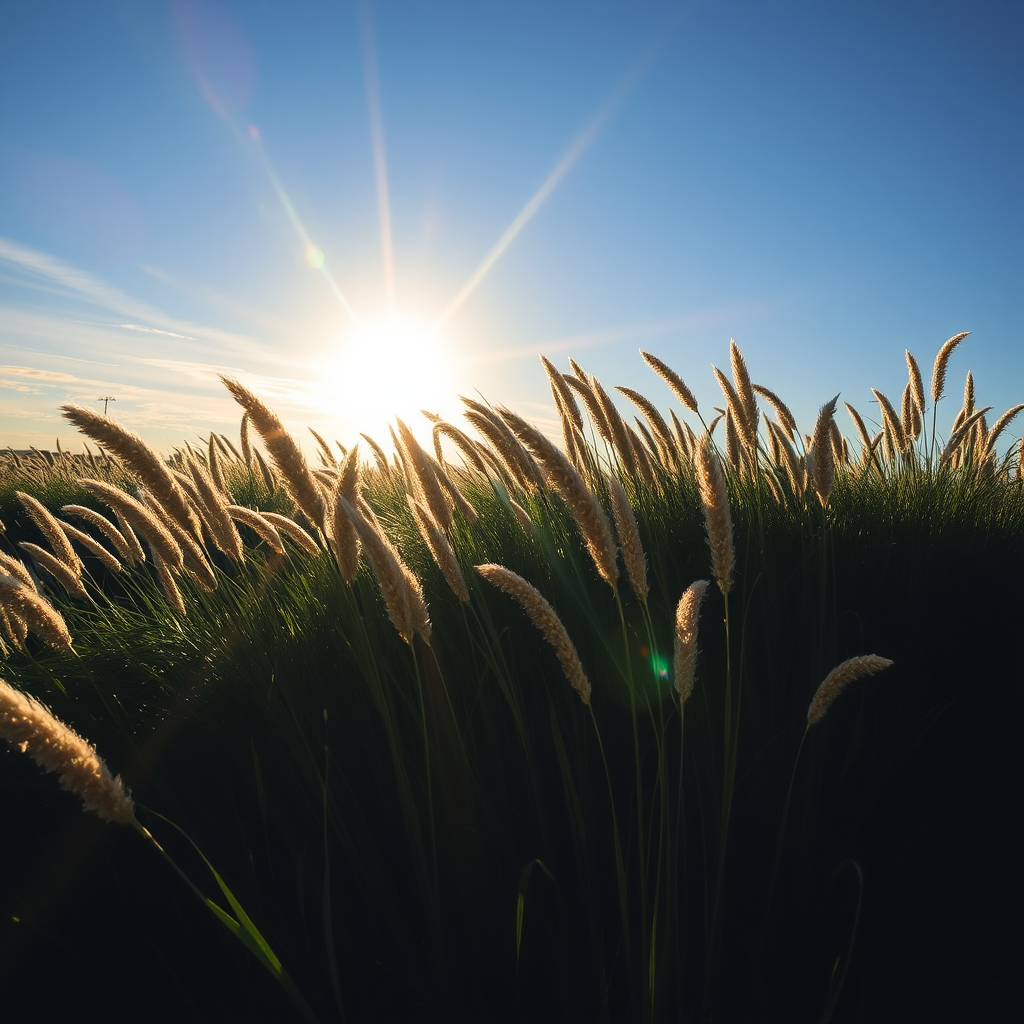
(829,183)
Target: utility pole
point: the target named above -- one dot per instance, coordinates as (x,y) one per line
(105,399)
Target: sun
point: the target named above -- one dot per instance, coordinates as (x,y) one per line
(389,367)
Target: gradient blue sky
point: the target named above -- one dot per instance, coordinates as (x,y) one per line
(829,183)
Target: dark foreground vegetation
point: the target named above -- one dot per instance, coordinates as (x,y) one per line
(429,811)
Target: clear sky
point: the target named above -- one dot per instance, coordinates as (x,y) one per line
(367,209)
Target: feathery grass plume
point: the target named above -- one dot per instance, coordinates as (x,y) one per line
(774,449)
(462,441)
(629,538)
(384,563)
(916,383)
(621,441)
(659,427)
(228,450)
(521,515)
(290,528)
(942,362)
(343,536)
(642,462)
(259,524)
(378,455)
(138,555)
(821,448)
(685,437)
(683,394)
(838,443)
(510,453)
(167,584)
(717,517)
(92,545)
(13,630)
(35,611)
(455,497)
(192,553)
(734,404)
(68,578)
(684,659)
(287,455)
(907,410)
(243,440)
(140,518)
(50,528)
(325,448)
(139,457)
(968,407)
(594,410)
(544,617)
(838,679)
(786,419)
(440,549)
(745,390)
(222,527)
(892,423)
(1000,425)
(32,728)
(586,509)
(958,436)
(188,485)
(213,465)
(269,479)
(862,430)
(562,393)
(422,468)
(733,445)
(15,567)
(714,423)
(788,458)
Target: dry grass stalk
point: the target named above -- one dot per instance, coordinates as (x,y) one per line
(222,527)
(140,518)
(659,427)
(521,515)
(621,441)
(544,617)
(326,454)
(343,535)
(213,465)
(745,390)
(259,525)
(91,545)
(916,383)
(462,441)
(188,485)
(892,423)
(192,552)
(167,584)
(714,423)
(14,567)
(455,497)
(642,458)
(586,509)
(684,660)
(717,517)
(421,466)
(378,455)
(734,405)
(733,445)
(1000,425)
(941,364)
(291,529)
(50,528)
(139,457)
(837,441)
(510,453)
(387,567)
(838,679)
(29,726)
(961,434)
(968,407)
(440,549)
(865,437)
(782,413)
(629,538)
(907,410)
(821,449)
(243,440)
(562,394)
(287,455)
(35,611)
(269,479)
(594,410)
(13,630)
(685,437)
(683,394)
(124,527)
(68,577)
(228,450)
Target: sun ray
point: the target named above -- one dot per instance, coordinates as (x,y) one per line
(579,145)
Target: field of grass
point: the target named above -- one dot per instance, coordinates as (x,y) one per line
(574,784)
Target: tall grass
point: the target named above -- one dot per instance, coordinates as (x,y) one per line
(405,789)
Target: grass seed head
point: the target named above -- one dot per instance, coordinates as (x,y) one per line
(838,679)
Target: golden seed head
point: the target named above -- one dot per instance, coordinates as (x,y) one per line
(838,679)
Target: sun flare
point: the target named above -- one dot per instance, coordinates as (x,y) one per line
(388,367)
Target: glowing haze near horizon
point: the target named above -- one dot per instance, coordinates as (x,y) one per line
(362,210)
